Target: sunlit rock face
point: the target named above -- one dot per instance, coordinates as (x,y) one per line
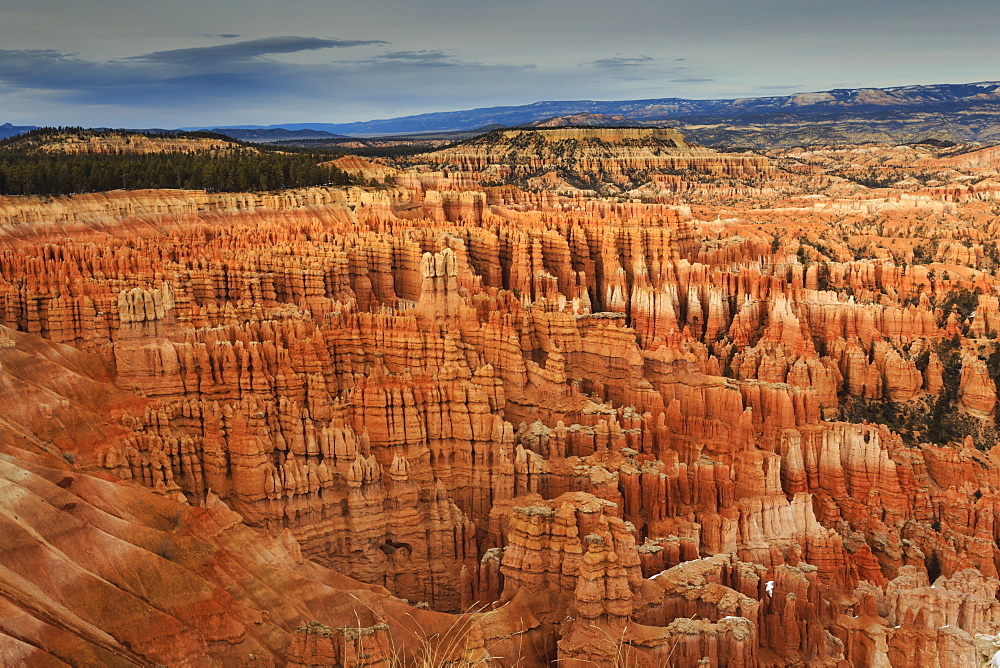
(602,159)
(659,406)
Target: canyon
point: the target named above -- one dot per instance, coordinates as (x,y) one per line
(589,396)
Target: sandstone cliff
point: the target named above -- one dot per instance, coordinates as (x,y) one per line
(750,420)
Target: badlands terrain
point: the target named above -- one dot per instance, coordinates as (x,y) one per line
(598,397)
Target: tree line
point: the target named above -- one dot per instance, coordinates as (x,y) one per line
(25,170)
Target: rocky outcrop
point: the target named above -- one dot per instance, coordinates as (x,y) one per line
(314,644)
(977,389)
(748,419)
(125,143)
(593,157)
(362,168)
(200,585)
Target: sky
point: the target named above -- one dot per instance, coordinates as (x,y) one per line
(178,63)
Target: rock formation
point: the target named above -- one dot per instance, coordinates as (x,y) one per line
(596,158)
(748,419)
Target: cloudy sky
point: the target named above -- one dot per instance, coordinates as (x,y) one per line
(145,63)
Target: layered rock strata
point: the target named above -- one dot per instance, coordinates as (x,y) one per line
(747,424)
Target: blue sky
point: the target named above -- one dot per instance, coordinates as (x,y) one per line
(139,63)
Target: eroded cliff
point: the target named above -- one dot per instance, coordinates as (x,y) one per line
(749,418)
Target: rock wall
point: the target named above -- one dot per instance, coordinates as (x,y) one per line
(752,430)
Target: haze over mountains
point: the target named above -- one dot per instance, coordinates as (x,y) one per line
(10,130)
(970,108)
(950,112)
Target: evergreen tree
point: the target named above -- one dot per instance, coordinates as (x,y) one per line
(26,169)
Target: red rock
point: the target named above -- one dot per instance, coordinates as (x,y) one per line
(977,390)
(529,403)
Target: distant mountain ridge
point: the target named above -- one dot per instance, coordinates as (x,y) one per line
(938,98)
(10,130)
(274,134)
(961,113)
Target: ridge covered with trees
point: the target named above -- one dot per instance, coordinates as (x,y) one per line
(34,164)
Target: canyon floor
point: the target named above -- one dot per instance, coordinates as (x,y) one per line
(553,396)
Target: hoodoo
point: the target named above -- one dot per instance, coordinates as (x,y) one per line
(595,396)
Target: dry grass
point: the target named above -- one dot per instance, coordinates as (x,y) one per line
(432,650)
(446,650)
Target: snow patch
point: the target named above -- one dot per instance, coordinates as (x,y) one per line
(769,586)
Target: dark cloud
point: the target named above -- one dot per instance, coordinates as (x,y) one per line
(621,61)
(409,59)
(241,74)
(191,76)
(248,49)
(779,87)
(423,63)
(645,68)
(46,69)
(421,56)
(222,35)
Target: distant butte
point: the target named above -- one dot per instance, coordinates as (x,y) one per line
(608,160)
